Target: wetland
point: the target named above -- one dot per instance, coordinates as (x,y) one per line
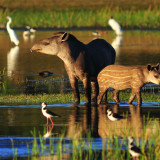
(82,131)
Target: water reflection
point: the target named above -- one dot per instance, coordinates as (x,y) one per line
(116,43)
(27,38)
(80,126)
(136,120)
(96,122)
(81,120)
(12,59)
(49,132)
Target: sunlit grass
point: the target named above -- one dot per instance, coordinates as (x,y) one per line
(148,18)
(67,98)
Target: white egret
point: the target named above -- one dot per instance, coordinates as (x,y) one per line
(11,32)
(115,26)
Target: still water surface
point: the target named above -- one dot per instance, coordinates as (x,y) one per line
(19,124)
(22,68)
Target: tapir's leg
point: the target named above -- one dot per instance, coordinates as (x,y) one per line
(87,88)
(138,95)
(131,97)
(74,85)
(135,92)
(116,96)
(102,91)
(95,91)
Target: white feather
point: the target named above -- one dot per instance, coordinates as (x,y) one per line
(115,26)
(11,32)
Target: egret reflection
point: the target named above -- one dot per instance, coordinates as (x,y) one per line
(12,57)
(116,43)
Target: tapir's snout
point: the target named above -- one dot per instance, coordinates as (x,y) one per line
(35,48)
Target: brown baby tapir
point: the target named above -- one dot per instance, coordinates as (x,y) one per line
(121,77)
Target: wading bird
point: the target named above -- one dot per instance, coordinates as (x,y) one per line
(133,150)
(113,116)
(48,114)
(11,32)
(115,26)
(28,31)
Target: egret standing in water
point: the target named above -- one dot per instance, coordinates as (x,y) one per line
(28,31)
(115,26)
(11,32)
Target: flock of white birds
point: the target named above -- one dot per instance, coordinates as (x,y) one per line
(13,36)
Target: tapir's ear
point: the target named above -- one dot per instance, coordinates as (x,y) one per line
(149,67)
(64,37)
(157,67)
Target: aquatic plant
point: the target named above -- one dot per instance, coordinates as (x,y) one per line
(111,147)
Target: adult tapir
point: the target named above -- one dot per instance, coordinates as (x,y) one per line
(82,61)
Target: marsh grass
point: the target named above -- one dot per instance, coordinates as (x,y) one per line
(67,98)
(112,147)
(58,18)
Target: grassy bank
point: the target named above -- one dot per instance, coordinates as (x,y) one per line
(65,98)
(96,18)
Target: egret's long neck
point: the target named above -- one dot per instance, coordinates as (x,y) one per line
(8,24)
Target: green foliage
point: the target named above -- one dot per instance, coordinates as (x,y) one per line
(67,98)
(82,148)
(148,18)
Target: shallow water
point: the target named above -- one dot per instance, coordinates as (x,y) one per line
(22,68)
(19,124)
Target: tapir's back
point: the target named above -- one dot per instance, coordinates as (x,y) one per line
(118,70)
(118,77)
(100,54)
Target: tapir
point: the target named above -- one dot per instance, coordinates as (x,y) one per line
(82,61)
(121,77)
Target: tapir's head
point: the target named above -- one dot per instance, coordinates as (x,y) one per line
(51,45)
(153,74)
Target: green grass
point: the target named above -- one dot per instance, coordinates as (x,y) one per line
(66,98)
(81,147)
(146,18)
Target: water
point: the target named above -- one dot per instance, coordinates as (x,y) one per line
(18,123)
(22,67)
